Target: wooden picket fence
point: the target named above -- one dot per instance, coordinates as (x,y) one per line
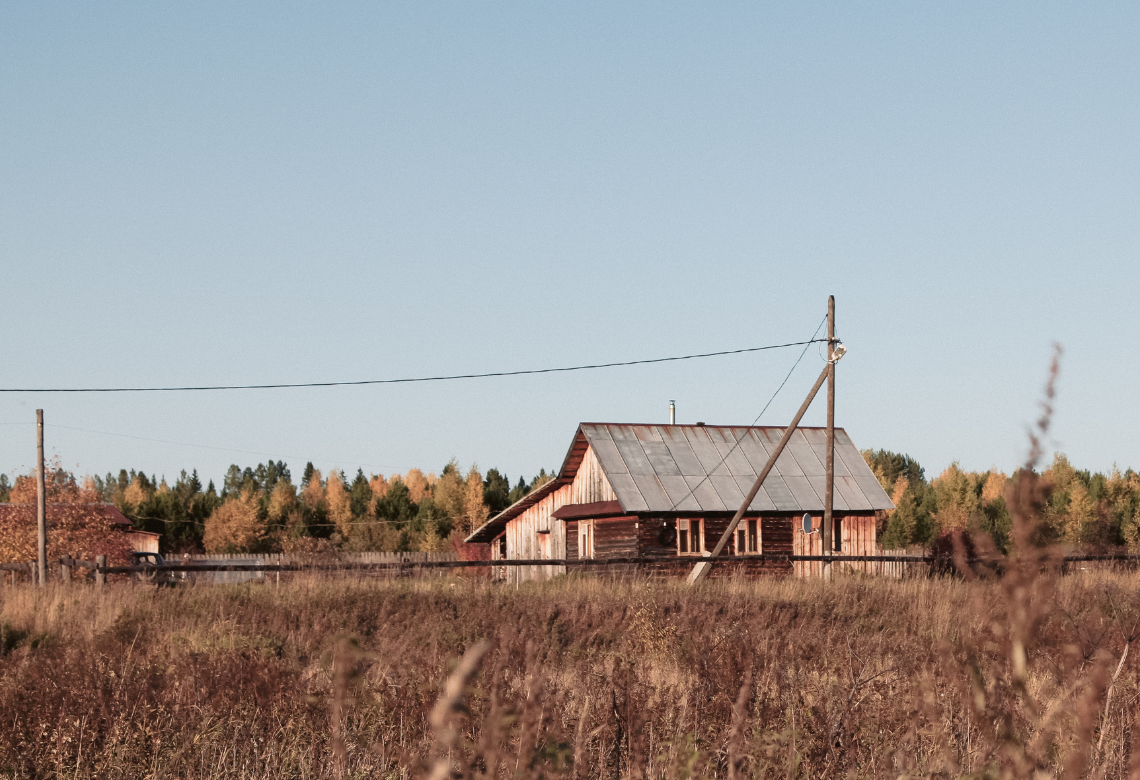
(236,568)
(359,557)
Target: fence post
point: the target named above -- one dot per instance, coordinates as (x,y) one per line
(100,562)
(65,568)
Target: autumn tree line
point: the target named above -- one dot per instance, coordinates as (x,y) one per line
(261,509)
(1084,509)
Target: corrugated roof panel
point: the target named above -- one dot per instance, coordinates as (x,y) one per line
(607,453)
(707,495)
(634,457)
(819,487)
(781,495)
(802,451)
(805,497)
(660,458)
(725,441)
(627,492)
(851,458)
(762,501)
(849,489)
(754,450)
(652,492)
(654,454)
(786,465)
(680,497)
(767,438)
(876,496)
(682,453)
(728,490)
(621,432)
(705,451)
(818,440)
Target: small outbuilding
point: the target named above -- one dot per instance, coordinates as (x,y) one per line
(668,493)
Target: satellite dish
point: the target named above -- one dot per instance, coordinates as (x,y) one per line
(807,524)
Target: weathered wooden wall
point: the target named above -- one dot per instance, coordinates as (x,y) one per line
(615,537)
(776,533)
(858,535)
(525,533)
(590,483)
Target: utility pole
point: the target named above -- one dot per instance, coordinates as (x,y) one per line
(829,489)
(701,570)
(41,499)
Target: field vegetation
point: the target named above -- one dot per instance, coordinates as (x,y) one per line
(1028,675)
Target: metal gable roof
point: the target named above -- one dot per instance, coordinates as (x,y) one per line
(709,468)
(705,468)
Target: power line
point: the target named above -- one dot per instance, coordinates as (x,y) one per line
(807,345)
(450,377)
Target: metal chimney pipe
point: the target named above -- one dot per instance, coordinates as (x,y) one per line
(672,412)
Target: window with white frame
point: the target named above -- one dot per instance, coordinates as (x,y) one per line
(690,535)
(748,537)
(585,538)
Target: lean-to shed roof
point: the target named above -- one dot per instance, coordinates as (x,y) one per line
(687,469)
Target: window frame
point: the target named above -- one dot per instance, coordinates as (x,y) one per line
(586,539)
(689,535)
(751,531)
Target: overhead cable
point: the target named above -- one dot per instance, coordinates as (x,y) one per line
(445,378)
(741,438)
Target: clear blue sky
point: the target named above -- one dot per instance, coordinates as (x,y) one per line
(230,193)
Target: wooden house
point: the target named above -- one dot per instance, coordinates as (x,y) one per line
(668,492)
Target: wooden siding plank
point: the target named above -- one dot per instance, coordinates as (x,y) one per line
(590,483)
(776,534)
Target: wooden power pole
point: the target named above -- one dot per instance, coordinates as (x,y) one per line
(829,488)
(701,570)
(41,499)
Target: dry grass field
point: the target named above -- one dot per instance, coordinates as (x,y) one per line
(1021,676)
